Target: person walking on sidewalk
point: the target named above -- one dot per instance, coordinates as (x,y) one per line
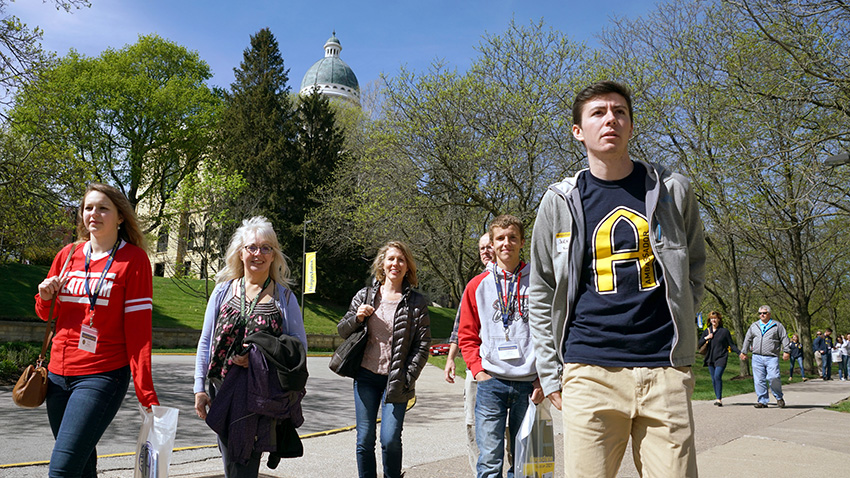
(838,356)
(398,328)
(719,342)
(617,271)
(495,341)
(103,328)
(823,345)
(796,351)
(485,253)
(767,338)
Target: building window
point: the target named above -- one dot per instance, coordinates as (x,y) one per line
(162,241)
(159,269)
(190,240)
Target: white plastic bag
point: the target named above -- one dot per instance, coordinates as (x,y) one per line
(836,356)
(156,441)
(534,456)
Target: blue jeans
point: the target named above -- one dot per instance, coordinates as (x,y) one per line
(497,402)
(827,365)
(846,364)
(798,361)
(717,380)
(79,409)
(370,395)
(766,373)
(841,369)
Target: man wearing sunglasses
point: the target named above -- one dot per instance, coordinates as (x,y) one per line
(767,337)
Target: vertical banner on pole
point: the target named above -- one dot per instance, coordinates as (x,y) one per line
(310,273)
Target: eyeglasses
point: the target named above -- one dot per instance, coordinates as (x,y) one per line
(764,313)
(264,249)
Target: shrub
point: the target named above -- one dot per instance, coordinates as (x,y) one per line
(14,358)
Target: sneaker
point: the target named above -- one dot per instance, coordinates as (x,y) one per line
(781,403)
(718,403)
(760,405)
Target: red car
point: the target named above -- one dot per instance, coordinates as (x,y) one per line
(440,349)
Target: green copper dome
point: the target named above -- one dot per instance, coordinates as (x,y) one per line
(330,70)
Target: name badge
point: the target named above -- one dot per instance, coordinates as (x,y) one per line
(88,339)
(563,241)
(509,351)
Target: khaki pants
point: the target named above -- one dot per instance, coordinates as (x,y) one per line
(604,406)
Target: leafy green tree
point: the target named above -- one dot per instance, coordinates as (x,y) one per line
(815,37)
(39,188)
(20,50)
(140,117)
(201,219)
(449,151)
(284,150)
(702,71)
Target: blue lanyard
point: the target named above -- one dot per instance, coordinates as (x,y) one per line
(93,295)
(506,303)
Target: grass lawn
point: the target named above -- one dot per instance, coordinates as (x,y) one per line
(18,286)
(174,307)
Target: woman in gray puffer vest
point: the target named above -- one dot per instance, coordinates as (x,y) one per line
(399,335)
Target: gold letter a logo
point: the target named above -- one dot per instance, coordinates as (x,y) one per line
(605,257)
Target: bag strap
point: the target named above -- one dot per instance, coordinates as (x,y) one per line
(51,321)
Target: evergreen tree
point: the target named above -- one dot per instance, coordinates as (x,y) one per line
(258,131)
(284,151)
(321,147)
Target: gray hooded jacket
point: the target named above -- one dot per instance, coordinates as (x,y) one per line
(557,246)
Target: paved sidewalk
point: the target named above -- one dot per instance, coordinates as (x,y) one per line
(736,440)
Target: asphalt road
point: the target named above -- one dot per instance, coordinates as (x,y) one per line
(26,435)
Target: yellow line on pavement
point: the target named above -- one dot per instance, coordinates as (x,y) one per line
(410,405)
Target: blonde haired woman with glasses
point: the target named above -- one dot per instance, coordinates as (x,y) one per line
(251,297)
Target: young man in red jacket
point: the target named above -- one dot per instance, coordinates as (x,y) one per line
(495,340)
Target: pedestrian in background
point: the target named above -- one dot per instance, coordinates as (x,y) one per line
(845,357)
(818,358)
(824,344)
(103,328)
(767,338)
(838,356)
(470,386)
(796,353)
(719,342)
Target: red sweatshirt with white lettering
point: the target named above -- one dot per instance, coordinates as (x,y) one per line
(122,316)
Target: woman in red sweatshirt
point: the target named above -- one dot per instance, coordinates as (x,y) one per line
(103,328)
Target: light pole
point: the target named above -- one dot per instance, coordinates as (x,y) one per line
(304,266)
(838,159)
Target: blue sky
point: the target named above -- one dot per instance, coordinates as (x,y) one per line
(376,36)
